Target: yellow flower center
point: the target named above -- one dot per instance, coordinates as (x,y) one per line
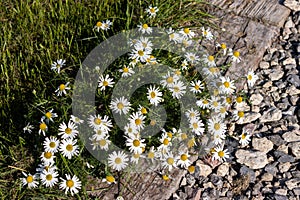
(243,136)
(176,89)
(58,66)
(136,143)
(151,155)
(217,126)
(166,141)
(62,87)
(205,101)
(120,106)
(195,125)
(213,69)
(145,26)
(170,79)
(191,143)
(118,161)
(29,179)
(68,131)
(228,99)
(186,30)
(141,53)
(144,110)
(43,126)
(172,35)
(211,58)
(97,121)
(183,157)
(152,10)
(204,32)
(223,110)
(178,72)
(138,122)
(70,183)
(102,142)
(223,46)
(236,54)
(48,155)
(52,144)
(197,87)
(170,161)
(99,24)
(165,177)
(239,99)
(215,104)
(169,134)
(125,69)
(191,169)
(136,155)
(49,177)
(226,84)
(249,77)
(183,136)
(48,115)
(152,122)
(152,94)
(69,147)
(221,154)
(212,150)
(105,83)
(110,179)
(240,114)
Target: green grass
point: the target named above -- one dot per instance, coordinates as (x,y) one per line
(33,35)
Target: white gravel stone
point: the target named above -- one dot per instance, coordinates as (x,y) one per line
(271,115)
(250,117)
(267,177)
(284,167)
(264,65)
(289,61)
(292,90)
(223,170)
(256,99)
(253,159)
(282,192)
(262,144)
(295,147)
(205,169)
(292,183)
(292,136)
(276,75)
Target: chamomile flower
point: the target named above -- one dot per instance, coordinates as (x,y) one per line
(192,57)
(76,120)
(98,26)
(222,47)
(68,131)
(218,138)
(215,103)
(100,134)
(154,95)
(216,126)
(145,43)
(49,178)
(130,129)
(42,167)
(178,89)
(144,28)
(135,144)
(105,82)
(173,36)
(169,161)
(165,141)
(72,184)
(222,112)
(137,120)
(238,116)
(251,78)
(126,71)
(227,86)
(43,128)
(152,11)
(109,179)
(239,103)
(104,143)
(106,25)
(220,154)
(203,103)
(184,64)
(151,153)
(211,72)
(28,128)
(68,148)
(209,60)
(120,105)
(47,157)
(118,160)
(187,33)
(98,122)
(206,33)
(196,86)
(56,66)
(29,180)
(192,114)
(49,116)
(183,160)
(51,144)
(169,79)
(136,157)
(197,126)
(62,89)
(244,138)
(139,53)
(235,56)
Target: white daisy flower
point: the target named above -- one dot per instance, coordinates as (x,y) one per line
(183,160)
(145,43)
(215,103)
(68,131)
(209,60)
(126,71)
(109,179)
(117,160)
(28,128)
(203,103)
(169,79)
(216,126)
(191,114)
(219,138)
(43,128)
(62,89)
(239,103)
(211,72)
(49,168)
(223,47)
(227,86)
(29,180)
(192,57)
(136,157)
(98,26)
(102,143)
(56,66)
(144,28)
(76,120)
(68,148)
(187,33)
(220,154)
(106,25)
(142,110)
(169,161)
(130,129)
(196,86)
(251,78)
(135,144)
(178,89)
(51,144)
(137,120)
(120,105)
(152,11)
(238,116)
(140,53)
(72,184)
(49,178)
(206,33)
(173,36)
(235,56)
(154,95)
(184,65)
(244,138)
(97,122)
(151,153)
(165,141)
(222,112)
(99,134)
(47,157)
(197,126)
(105,82)
(49,116)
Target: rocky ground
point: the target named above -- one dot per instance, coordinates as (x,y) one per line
(269,167)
